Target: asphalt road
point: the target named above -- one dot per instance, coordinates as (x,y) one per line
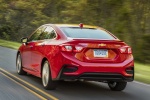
(10,90)
(65,90)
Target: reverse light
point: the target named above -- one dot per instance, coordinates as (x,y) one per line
(126,49)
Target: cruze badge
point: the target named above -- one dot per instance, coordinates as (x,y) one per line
(101,45)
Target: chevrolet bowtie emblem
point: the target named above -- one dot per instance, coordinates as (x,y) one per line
(102,44)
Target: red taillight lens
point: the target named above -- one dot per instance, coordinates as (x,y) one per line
(78,49)
(129,50)
(125,49)
(81,25)
(71,48)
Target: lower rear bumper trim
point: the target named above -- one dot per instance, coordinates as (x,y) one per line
(98,77)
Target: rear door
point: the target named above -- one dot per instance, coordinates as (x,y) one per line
(39,49)
(28,48)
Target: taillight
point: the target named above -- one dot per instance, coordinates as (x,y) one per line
(125,49)
(71,48)
(129,50)
(78,49)
(67,48)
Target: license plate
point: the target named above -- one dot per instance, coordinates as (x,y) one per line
(100,53)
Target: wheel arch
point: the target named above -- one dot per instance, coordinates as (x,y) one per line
(43,60)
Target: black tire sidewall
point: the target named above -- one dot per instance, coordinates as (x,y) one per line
(118,87)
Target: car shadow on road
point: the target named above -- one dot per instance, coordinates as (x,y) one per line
(90,90)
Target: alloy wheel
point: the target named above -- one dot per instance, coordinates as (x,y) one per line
(45,74)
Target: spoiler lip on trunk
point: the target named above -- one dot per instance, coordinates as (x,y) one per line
(94,40)
(70,38)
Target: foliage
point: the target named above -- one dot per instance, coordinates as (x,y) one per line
(145,51)
(142,72)
(9,44)
(127,19)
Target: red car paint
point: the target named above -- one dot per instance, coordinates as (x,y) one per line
(82,61)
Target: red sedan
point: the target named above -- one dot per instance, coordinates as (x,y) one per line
(76,52)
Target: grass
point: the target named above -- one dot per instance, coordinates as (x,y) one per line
(9,44)
(142,71)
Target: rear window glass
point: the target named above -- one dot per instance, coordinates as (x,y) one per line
(88,33)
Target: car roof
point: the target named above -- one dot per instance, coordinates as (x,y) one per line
(73,25)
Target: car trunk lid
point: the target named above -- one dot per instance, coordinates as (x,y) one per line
(97,51)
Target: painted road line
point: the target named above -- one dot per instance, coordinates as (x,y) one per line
(30,85)
(42,98)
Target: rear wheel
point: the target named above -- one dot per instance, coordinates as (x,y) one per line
(47,81)
(117,86)
(19,67)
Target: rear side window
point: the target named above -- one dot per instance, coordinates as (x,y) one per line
(36,34)
(48,33)
(89,33)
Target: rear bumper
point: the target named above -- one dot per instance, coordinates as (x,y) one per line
(98,73)
(98,77)
(72,68)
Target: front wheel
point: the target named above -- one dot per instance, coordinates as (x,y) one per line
(117,86)
(19,67)
(47,81)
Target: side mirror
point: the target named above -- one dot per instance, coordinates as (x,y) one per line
(24,40)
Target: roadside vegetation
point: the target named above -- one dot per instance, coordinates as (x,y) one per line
(142,71)
(9,44)
(129,20)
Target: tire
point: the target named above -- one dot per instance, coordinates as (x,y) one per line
(19,67)
(47,81)
(117,86)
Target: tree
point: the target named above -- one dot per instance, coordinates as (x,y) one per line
(128,20)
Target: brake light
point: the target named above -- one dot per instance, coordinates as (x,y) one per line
(129,50)
(71,48)
(78,49)
(81,25)
(125,49)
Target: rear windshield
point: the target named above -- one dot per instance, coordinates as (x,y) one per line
(88,33)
